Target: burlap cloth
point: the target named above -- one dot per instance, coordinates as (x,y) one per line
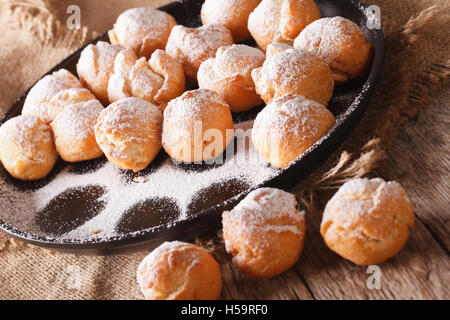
(34,38)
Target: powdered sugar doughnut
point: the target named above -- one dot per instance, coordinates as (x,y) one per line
(73,128)
(264,233)
(157,81)
(288,126)
(27,150)
(229,74)
(294,71)
(66,98)
(179,271)
(95,67)
(341,43)
(281,20)
(367,221)
(192,46)
(36,102)
(143,30)
(129,133)
(232,14)
(198,126)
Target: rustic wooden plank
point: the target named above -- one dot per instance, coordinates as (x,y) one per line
(420,160)
(288,286)
(420,271)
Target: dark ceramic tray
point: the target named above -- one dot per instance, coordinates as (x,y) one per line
(348,104)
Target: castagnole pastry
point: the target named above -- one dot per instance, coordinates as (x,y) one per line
(66,98)
(157,81)
(73,129)
(281,20)
(179,271)
(341,43)
(192,46)
(27,149)
(37,100)
(293,71)
(232,14)
(264,233)
(288,126)
(129,133)
(143,30)
(229,74)
(367,221)
(95,67)
(198,126)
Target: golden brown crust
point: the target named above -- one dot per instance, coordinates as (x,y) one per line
(367,221)
(293,71)
(179,271)
(39,97)
(198,126)
(95,67)
(232,14)
(157,81)
(27,150)
(229,74)
(288,127)
(129,133)
(66,98)
(281,20)
(192,46)
(143,30)
(264,233)
(73,128)
(341,43)
(173,74)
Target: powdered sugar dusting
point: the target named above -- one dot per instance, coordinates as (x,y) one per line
(264,206)
(167,181)
(356,198)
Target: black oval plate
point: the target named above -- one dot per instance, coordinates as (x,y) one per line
(135,235)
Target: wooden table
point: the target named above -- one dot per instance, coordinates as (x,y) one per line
(420,160)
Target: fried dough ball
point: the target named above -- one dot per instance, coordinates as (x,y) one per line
(198,126)
(129,133)
(37,100)
(232,14)
(157,81)
(281,20)
(293,71)
(192,46)
(179,271)
(95,67)
(367,221)
(288,127)
(27,150)
(143,30)
(73,129)
(229,74)
(264,233)
(341,43)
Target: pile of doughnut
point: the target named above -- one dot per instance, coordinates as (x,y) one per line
(141,76)
(365,222)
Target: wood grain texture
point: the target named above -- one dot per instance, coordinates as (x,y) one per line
(419,159)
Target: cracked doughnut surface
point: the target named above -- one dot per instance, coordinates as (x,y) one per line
(264,233)
(179,271)
(129,133)
(367,221)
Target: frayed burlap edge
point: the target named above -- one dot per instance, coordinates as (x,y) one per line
(35,17)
